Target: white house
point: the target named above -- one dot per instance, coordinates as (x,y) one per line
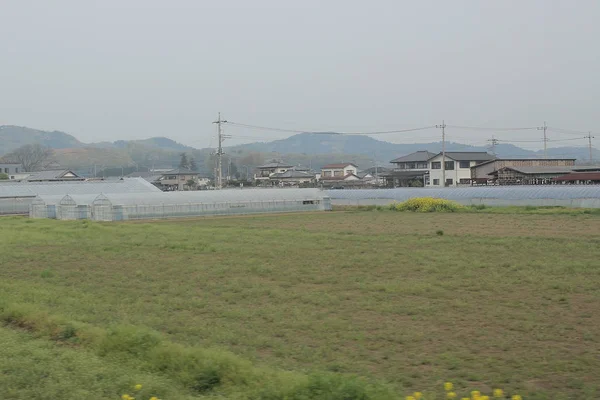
(264,172)
(458,167)
(341,171)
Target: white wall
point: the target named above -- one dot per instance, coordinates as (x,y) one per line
(456,175)
(349,169)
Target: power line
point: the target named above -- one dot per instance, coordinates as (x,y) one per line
(492,129)
(328,133)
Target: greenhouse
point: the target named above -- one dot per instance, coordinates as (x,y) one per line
(118,207)
(552,195)
(17,197)
(136,206)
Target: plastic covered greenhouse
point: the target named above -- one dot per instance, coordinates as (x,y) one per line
(17,197)
(134,206)
(552,195)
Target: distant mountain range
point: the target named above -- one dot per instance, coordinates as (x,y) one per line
(308,149)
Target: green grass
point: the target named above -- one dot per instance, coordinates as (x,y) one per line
(226,306)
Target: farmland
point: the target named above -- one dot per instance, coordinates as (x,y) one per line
(405,301)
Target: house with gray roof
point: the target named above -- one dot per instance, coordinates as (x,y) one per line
(458,166)
(54,176)
(264,172)
(409,170)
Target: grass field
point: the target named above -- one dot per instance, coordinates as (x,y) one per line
(406,301)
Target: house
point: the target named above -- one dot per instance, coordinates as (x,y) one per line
(12,170)
(410,170)
(292,177)
(178,179)
(374,175)
(54,176)
(340,172)
(487,171)
(457,167)
(263,172)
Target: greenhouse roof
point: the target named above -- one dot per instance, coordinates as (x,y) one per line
(32,189)
(481,192)
(213,196)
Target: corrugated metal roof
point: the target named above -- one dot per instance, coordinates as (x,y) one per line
(579,176)
(542,169)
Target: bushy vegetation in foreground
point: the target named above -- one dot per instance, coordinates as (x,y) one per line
(301,306)
(426,204)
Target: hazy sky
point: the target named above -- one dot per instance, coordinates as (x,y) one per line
(126,69)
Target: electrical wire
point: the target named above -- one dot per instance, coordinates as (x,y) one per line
(328,133)
(491,129)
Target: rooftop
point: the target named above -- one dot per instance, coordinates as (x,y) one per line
(526,159)
(49,175)
(467,156)
(180,171)
(339,165)
(422,155)
(541,170)
(292,174)
(274,164)
(579,176)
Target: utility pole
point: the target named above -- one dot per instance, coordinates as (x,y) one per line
(544,128)
(590,137)
(443,126)
(221,137)
(493,143)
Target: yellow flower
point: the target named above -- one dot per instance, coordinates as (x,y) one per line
(154,398)
(138,387)
(451,395)
(484,398)
(418,395)
(498,393)
(448,386)
(465,398)
(475,394)
(410,398)
(517,397)
(125,397)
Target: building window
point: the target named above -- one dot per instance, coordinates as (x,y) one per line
(337,173)
(436,165)
(6,170)
(412,166)
(464,181)
(327,174)
(348,172)
(402,165)
(449,165)
(436,182)
(17,170)
(465,164)
(449,182)
(422,165)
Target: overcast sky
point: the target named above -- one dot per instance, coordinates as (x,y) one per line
(130,69)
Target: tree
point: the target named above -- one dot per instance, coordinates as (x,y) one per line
(184,162)
(31,156)
(192,164)
(3,176)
